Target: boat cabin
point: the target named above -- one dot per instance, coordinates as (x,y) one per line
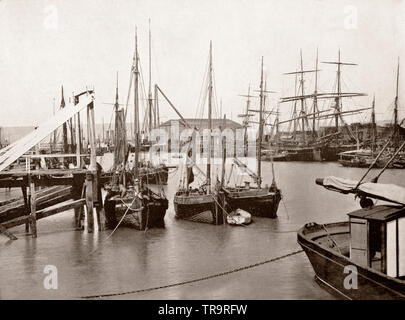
(378,239)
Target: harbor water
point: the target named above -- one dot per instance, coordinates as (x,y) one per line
(123,265)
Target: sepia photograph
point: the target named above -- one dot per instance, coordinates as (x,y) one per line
(214,151)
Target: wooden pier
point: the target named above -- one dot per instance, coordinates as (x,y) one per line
(46,192)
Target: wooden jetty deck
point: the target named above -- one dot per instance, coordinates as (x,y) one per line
(75,188)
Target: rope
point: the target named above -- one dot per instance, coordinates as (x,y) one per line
(118,224)
(176,284)
(331,239)
(285,207)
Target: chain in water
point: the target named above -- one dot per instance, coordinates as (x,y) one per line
(193,280)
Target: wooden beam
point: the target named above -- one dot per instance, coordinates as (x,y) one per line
(55,155)
(60,208)
(40,214)
(7,233)
(40,172)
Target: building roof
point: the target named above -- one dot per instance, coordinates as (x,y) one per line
(202,123)
(379,213)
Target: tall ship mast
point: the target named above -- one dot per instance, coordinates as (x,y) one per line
(315,147)
(256,200)
(199,203)
(365,158)
(130,201)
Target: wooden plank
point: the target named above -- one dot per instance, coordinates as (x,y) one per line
(7,233)
(11,183)
(54,155)
(44,195)
(16,222)
(60,208)
(40,172)
(22,211)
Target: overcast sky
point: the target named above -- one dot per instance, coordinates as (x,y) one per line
(45,44)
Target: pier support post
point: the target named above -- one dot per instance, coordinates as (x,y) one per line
(33,214)
(26,207)
(99,201)
(78,193)
(89,201)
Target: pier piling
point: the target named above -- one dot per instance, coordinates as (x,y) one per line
(33,214)
(89,201)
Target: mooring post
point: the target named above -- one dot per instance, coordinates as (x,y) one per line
(26,206)
(77,192)
(89,201)
(33,214)
(99,201)
(77,136)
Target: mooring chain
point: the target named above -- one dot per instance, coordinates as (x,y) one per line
(194,280)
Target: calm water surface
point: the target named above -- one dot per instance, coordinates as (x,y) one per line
(90,264)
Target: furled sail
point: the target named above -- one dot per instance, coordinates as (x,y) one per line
(386,192)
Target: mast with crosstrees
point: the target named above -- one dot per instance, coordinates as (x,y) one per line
(136,108)
(209,122)
(259,143)
(396,106)
(337,96)
(150,103)
(303,116)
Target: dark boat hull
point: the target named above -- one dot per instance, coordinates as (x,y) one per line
(257,203)
(329,266)
(141,215)
(198,208)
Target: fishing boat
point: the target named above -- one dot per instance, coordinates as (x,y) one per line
(368,247)
(130,201)
(198,204)
(257,200)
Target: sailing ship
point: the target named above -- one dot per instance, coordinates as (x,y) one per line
(199,204)
(258,200)
(130,201)
(363,158)
(305,142)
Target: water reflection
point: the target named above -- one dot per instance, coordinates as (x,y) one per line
(131,260)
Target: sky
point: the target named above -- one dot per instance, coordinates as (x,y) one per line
(49,43)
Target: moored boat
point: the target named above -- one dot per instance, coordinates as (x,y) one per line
(331,251)
(146,210)
(130,201)
(258,201)
(195,206)
(199,204)
(363,258)
(239,217)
